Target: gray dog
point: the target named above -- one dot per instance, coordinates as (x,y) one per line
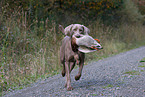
(69,53)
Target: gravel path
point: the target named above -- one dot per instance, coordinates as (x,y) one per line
(119,75)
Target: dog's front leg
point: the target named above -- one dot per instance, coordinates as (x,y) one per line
(77,77)
(68,80)
(72,65)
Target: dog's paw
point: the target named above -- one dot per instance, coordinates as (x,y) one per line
(65,85)
(77,77)
(69,88)
(78,62)
(63,73)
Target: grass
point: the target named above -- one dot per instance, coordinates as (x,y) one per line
(142,60)
(142,65)
(94,94)
(133,72)
(38,58)
(142,70)
(25,62)
(30,52)
(108,86)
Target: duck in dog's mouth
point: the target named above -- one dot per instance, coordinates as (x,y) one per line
(87,44)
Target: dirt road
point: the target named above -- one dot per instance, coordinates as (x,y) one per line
(119,75)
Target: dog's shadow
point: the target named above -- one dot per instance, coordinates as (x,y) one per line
(95,83)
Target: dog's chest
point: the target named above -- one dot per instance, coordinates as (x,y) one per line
(74,58)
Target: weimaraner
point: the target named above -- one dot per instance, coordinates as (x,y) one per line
(69,54)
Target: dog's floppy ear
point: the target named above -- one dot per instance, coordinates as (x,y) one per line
(86,30)
(68,30)
(61,29)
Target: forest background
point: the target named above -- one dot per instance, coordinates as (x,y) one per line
(30,38)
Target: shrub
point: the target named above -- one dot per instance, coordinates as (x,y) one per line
(130,12)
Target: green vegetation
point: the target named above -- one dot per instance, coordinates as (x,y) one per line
(133,72)
(94,94)
(108,86)
(142,65)
(30,39)
(142,60)
(142,70)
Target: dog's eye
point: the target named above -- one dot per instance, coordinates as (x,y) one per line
(80,30)
(78,36)
(75,29)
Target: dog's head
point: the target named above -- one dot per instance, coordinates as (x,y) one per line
(76,30)
(80,38)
